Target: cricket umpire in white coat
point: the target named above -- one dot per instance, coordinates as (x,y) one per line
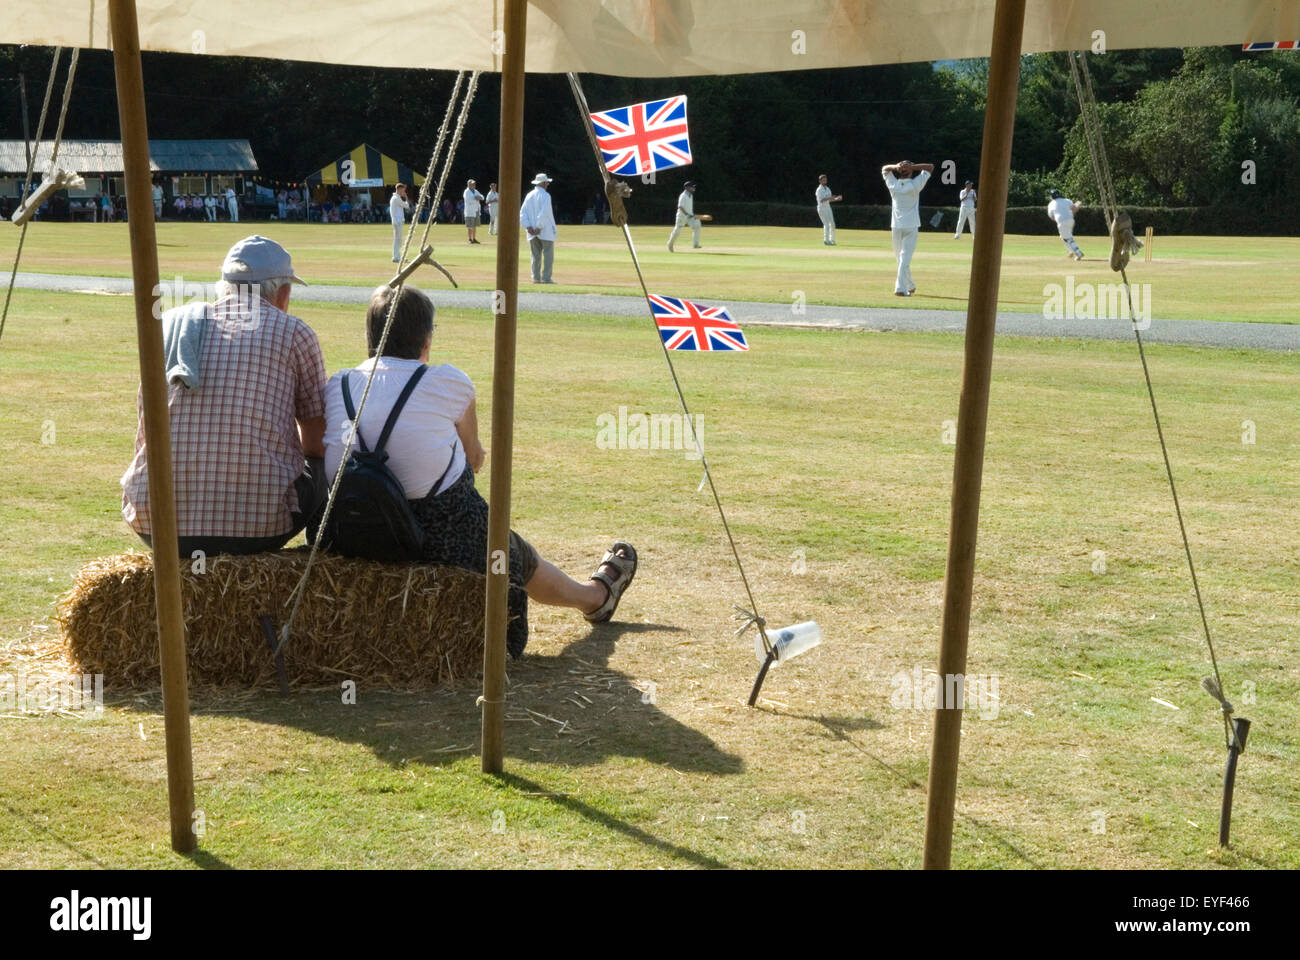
(537,218)
(905,219)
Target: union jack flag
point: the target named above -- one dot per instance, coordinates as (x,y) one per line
(1270,45)
(644,137)
(684,325)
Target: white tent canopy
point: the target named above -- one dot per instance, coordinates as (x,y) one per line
(647,37)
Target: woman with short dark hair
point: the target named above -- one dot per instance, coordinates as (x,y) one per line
(434,451)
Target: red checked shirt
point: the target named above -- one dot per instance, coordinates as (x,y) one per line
(235,445)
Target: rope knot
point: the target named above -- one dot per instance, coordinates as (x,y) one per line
(751,618)
(1215,689)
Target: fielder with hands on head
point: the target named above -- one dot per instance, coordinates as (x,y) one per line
(905,218)
(967,211)
(1062,210)
(824,200)
(685,216)
(397,208)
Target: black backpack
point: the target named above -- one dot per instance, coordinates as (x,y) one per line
(372,519)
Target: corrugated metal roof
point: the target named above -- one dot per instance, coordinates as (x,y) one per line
(105,156)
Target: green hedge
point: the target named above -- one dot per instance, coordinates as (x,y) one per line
(1193,221)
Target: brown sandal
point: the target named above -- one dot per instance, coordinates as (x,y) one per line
(622,557)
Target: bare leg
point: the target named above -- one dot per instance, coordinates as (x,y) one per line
(550,585)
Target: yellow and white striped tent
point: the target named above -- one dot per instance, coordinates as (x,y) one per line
(364,167)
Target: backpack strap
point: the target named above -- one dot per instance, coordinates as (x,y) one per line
(450,460)
(397,407)
(352,412)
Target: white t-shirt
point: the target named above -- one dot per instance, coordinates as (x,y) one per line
(687,204)
(397,209)
(1059,209)
(472,198)
(823,194)
(493,198)
(536,212)
(968,196)
(421,444)
(906,197)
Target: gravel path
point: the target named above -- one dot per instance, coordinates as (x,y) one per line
(1212,333)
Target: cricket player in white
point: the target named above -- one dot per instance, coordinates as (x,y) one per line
(473,201)
(232,204)
(824,200)
(966,211)
(905,218)
(537,217)
(397,208)
(686,215)
(1062,212)
(493,205)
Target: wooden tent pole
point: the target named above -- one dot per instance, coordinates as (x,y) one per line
(505,306)
(153,385)
(982,306)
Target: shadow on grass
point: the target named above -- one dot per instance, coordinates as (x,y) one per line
(839,728)
(29,819)
(611,823)
(206,861)
(567,709)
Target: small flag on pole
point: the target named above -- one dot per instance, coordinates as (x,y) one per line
(684,325)
(1270,45)
(644,137)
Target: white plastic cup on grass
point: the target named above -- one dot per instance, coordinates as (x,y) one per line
(789,642)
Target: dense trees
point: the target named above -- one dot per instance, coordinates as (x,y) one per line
(1178,124)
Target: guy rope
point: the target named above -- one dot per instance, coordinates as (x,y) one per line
(54,178)
(616,191)
(404,270)
(1123,245)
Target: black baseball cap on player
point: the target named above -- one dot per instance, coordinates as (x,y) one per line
(1056,194)
(689,183)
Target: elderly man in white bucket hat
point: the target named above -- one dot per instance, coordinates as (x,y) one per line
(247,413)
(538,220)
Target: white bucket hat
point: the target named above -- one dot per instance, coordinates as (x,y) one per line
(541,178)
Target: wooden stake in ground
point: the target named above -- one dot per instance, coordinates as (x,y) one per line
(1151,232)
(972,417)
(505,303)
(1240,730)
(153,386)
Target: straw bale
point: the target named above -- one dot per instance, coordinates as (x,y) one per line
(385,625)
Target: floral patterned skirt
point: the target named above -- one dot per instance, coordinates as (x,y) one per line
(455,524)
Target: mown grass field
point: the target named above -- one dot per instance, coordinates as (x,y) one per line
(630,745)
(1193,278)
